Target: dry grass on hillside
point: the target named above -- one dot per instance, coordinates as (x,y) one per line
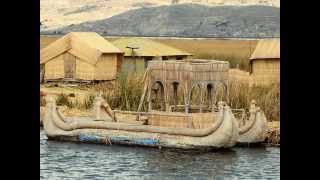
(213,47)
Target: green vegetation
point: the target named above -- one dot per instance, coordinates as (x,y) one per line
(72,102)
(126,92)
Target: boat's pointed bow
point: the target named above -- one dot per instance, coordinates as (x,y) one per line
(234,134)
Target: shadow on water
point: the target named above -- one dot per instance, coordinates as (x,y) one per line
(87,161)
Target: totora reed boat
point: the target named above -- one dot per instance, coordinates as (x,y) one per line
(222,133)
(159,126)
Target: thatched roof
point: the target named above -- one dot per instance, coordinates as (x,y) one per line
(267,49)
(189,70)
(88,46)
(147,47)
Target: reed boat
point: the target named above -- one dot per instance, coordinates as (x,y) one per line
(151,129)
(252,130)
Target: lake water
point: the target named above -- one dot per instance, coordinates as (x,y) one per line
(62,160)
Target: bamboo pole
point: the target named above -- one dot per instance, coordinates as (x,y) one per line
(149,100)
(142,97)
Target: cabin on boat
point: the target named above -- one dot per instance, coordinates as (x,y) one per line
(139,51)
(78,57)
(195,80)
(264,63)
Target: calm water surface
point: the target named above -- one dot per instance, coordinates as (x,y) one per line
(82,161)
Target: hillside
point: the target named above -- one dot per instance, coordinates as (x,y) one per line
(188,20)
(59,13)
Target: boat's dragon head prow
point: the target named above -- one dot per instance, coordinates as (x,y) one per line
(101,109)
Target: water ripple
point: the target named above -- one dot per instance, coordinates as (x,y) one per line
(60,160)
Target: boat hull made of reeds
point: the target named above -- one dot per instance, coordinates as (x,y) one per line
(222,134)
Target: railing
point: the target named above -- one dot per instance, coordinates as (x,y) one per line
(139,115)
(192,107)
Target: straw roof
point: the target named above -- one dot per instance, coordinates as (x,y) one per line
(88,46)
(267,49)
(189,70)
(147,47)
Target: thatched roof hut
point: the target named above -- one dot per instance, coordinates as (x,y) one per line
(265,62)
(138,51)
(80,56)
(173,79)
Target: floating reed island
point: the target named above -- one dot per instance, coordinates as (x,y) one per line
(208,124)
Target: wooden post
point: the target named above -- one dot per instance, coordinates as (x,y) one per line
(175,95)
(143,95)
(201,99)
(167,107)
(163,98)
(134,56)
(149,100)
(186,104)
(186,98)
(209,94)
(213,96)
(114,119)
(227,93)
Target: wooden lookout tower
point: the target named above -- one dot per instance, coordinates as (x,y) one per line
(170,80)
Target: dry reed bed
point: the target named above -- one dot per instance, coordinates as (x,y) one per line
(125,93)
(273,135)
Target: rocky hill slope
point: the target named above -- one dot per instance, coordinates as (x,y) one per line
(59,13)
(188,20)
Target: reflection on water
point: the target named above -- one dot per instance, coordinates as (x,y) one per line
(83,161)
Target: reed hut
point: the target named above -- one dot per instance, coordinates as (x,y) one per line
(80,56)
(166,81)
(264,63)
(139,51)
